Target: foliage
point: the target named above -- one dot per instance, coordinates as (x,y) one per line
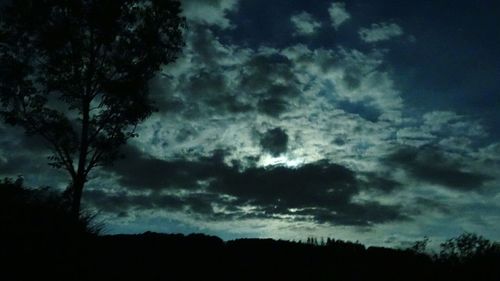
(420,246)
(466,247)
(76,72)
(39,212)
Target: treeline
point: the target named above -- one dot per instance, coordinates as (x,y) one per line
(40,240)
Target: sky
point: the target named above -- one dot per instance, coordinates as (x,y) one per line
(374,121)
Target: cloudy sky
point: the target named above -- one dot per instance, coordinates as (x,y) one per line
(366,120)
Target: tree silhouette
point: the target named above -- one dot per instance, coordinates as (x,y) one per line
(467,246)
(76,73)
(420,246)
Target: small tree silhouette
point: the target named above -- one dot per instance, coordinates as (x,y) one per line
(420,246)
(466,246)
(76,73)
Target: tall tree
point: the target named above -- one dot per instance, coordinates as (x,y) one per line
(76,73)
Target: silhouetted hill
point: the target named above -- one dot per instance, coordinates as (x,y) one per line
(39,241)
(153,256)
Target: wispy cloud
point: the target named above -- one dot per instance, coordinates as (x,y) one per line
(380,32)
(338,14)
(305,24)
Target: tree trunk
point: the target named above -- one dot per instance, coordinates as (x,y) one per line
(76,197)
(80,179)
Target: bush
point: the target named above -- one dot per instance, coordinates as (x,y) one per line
(39,212)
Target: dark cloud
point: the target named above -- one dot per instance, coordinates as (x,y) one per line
(211,89)
(14,139)
(379,183)
(357,214)
(199,86)
(272,106)
(221,79)
(312,185)
(25,155)
(321,191)
(124,203)
(274,141)
(352,79)
(202,42)
(271,79)
(427,204)
(162,94)
(429,164)
(140,171)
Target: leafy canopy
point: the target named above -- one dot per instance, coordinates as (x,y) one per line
(76,72)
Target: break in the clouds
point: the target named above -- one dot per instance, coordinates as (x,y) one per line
(305,24)
(338,14)
(303,137)
(380,32)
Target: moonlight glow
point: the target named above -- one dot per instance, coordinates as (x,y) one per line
(364,120)
(283,160)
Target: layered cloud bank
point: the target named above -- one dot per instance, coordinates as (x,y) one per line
(264,140)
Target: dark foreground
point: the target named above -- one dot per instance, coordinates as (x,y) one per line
(153,256)
(40,240)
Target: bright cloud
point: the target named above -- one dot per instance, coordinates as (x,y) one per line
(338,14)
(209,12)
(305,24)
